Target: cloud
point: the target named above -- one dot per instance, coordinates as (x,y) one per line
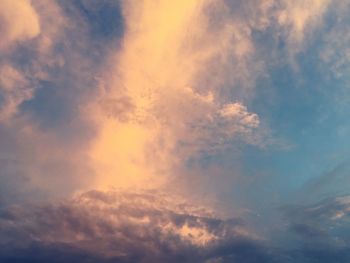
(321,229)
(124,227)
(160,91)
(45,75)
(134,107)
(300,18)
(328,211)
(180,82)
(152,226)
(160,95)
(19,22)
(15,89)
(334,51)
(169,78)
(327,185)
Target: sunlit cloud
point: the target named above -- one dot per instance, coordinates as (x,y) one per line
(223,124)
(167,112)
(19,21)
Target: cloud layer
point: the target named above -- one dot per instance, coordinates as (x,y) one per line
(237,110)
(124,227)
(149,226)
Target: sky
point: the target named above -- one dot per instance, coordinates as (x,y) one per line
(174,131)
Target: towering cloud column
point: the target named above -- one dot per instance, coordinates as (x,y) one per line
(163,100)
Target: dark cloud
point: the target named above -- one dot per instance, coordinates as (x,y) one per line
(321,230)
(124,227)
(146,226)
(151,226)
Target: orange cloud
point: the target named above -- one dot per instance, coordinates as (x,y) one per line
(19,21)
(169,48)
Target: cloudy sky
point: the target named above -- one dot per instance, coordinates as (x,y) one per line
(174,131)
